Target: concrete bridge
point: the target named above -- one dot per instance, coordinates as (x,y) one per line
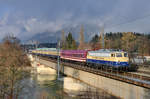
(112,86)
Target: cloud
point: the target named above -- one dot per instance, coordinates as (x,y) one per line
(34,25)
(25,18)
(27,27)
(4,20)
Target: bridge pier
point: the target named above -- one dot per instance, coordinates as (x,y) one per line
(41,68)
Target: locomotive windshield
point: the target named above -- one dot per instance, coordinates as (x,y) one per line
(118,54)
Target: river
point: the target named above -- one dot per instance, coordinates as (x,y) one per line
(49,87)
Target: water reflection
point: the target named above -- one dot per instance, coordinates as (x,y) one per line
(43,87)
(48,87)
(72,86)
(41,79)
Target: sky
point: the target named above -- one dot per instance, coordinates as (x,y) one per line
(25,18)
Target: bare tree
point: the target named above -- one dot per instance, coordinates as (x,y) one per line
(12,63)
(102,37)
(81,38)
(63,43)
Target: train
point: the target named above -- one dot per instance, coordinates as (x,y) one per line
(116,59)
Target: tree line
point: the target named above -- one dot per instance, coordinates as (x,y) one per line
(135,43)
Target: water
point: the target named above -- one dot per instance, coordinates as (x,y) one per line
(49,87)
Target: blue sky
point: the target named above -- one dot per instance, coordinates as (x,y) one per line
(25,18)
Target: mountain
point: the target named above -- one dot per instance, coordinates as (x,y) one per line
(52,37)
(45,37)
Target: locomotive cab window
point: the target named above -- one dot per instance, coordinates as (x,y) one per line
(125,55)
(112,55)
(118,54)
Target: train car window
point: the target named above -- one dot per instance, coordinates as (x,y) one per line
(118,55)
(79,55)
(125,55)
(82,55)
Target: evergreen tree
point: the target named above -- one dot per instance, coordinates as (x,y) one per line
(95,42)
(95,39)
(70,42)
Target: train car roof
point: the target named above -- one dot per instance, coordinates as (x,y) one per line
(74,51)
(46,49)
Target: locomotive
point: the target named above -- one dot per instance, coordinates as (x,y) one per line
(108,57)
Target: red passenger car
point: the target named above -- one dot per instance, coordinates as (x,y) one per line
(75,55)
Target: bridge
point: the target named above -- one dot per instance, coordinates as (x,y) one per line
(124,85)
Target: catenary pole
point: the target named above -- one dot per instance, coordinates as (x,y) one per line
(58,60)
